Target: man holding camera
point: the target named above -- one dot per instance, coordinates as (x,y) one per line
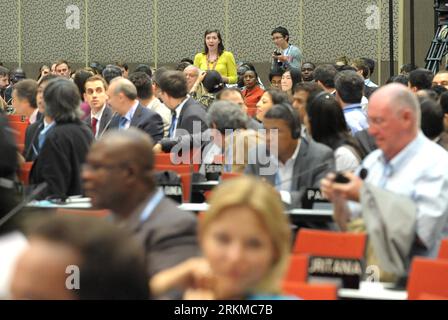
(286,55)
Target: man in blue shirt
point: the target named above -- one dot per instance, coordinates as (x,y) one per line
(406,163)
(349,91)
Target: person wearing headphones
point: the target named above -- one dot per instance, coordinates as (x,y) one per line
(288,161)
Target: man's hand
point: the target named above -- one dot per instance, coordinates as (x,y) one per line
(348,191)
(281,58)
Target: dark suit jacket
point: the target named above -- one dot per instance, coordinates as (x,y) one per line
(313,162)
(192,112)
(32,140)
(365,141)
(60,159)
(168,235)
(146,120)
(105,118)
(368,91)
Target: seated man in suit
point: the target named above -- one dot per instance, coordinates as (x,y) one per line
(8,167)
(96,97)
(32,149)
(188,116)
(24,100)
(146,96)
(130,113)
(119,176)
(290,162)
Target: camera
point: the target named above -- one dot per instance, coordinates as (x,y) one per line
(341,178)
(278,53)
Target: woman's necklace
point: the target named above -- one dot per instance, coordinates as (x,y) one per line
(212,61)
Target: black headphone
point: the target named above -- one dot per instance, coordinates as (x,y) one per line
(295,126)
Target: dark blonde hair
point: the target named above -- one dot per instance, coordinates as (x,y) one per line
(266,204)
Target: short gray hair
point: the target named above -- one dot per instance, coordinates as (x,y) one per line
(191,66)
(226,115)
(406,99)
(62,101)
(125,86)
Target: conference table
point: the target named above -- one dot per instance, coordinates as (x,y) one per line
(76,203)
(373,291)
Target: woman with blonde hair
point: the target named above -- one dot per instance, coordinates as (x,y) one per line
(245,239)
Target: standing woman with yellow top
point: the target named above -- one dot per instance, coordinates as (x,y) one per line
(216,58)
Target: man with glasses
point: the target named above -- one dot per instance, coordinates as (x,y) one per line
(286,55)
(406,163)
(119,176)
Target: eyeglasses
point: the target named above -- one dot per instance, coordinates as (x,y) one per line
(276,38)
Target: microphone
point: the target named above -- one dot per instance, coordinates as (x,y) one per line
(38,190)
(341,178)
(107,125)
(363,173)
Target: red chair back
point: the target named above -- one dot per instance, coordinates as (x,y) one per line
(230,175)
(330,244)
(429,277)
(24,172)
(20,130)
(443,251)
(297,269)
(313,291)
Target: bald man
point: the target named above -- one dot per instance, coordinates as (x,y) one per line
(118,176)
(122,98)
(406,163)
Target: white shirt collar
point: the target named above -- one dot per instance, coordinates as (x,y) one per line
(179,108)
(99,114)
(130,114)
(294,155)
(33,116)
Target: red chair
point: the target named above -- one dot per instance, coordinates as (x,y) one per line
(24,172)
(184,171)
(330,244)
(297,269)
(427,296)
(85,213)
(230,175)
(20,130)
(165,159)
(429,277)
(313,291)
(443,251)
